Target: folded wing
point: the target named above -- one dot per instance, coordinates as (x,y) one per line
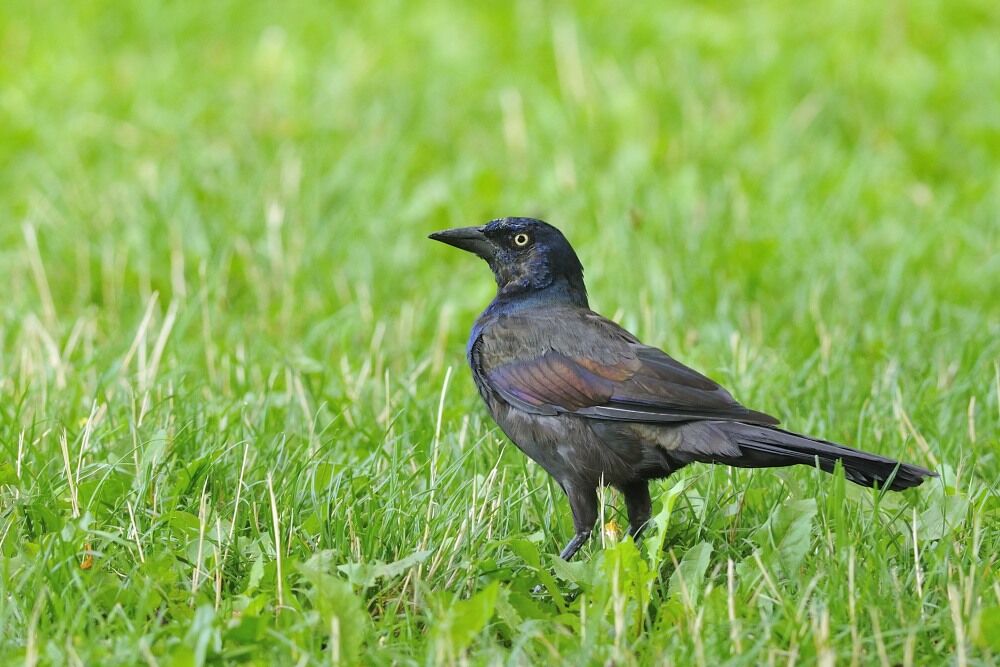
(589,366)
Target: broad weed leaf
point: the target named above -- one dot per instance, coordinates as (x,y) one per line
(786,537)
(688,579)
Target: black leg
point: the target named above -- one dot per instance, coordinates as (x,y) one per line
(583,502)
(639,507)
(575,544)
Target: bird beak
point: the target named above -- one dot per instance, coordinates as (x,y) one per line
(470,239)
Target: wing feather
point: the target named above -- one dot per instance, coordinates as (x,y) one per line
(591,367)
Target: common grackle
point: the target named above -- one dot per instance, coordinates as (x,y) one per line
(592,405)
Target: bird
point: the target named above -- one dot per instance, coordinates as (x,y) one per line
(594,406)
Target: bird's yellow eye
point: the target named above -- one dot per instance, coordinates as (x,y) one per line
(521,240)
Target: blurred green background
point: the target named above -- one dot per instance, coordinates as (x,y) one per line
(232,382)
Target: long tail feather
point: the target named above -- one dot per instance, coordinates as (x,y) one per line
(764,447)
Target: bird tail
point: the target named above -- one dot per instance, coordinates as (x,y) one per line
(767,447)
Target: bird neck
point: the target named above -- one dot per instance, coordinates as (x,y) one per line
(559,290)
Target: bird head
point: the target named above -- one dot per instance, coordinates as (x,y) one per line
(527,256)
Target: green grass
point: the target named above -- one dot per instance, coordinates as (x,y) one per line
(235,418)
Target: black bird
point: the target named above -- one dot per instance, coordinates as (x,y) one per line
(592,405)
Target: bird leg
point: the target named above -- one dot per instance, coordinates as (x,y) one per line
(583,502)
(575,544)
(639,507)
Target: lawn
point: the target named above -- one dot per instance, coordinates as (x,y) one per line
(236,423)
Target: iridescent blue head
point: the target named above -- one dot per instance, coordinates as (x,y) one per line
(529,258)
